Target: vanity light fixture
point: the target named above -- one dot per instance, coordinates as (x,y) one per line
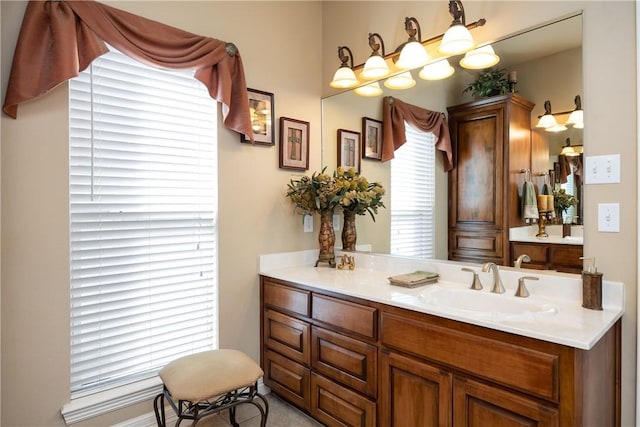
(344,78)
(482,57)
(457,39)
(571,150)
(400,81)
(412,52)
(436,70)
(375,67)
(576,118)
(547,120)
(372,89)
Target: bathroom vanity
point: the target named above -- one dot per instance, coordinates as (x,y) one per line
(353,350)
(553,252)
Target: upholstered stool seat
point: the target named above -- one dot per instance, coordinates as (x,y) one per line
(206,383)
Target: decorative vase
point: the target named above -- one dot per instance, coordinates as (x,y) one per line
(349,234)
(326,238)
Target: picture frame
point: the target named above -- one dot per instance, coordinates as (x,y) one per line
(262,111)
(294,144)
(349,149)
(371,139)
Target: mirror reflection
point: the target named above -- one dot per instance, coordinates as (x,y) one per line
(547,63)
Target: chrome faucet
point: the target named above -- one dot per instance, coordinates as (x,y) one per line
(522,258)
(497,288)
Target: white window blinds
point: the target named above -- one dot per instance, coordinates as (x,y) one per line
(143,194)
(413,196)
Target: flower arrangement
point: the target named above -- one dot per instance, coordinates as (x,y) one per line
(314,194)
(358,195)
(345,188)
(563,201)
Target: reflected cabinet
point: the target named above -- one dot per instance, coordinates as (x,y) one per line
(491,140)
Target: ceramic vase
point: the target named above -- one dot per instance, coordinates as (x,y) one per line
(349,234)
(326,238)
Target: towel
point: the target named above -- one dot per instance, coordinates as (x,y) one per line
(546,189)
(529,202)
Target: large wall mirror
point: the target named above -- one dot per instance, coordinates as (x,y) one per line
(548,62)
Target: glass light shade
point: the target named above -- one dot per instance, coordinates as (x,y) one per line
(437,70)
(401,81)
(457,39)
(576,118)
(571,150)
(375,68)
(372,89)
(344,78)
(556,128)
(412,55)
(578,126)
(547,121)
(482,57)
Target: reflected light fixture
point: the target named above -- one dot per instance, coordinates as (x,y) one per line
(482,57)
(400,81)
(576,118)
(344,77)
(457,39)
(571,150)
(372,89)
(547,120)
(436,70)
(375,67)
(413,53)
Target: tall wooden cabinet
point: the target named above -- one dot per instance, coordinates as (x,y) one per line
(491,141)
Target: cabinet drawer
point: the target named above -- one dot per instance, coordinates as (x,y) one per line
(286,298)
(348,316)
(346,360)
(288,336)
(334,405)
(537,253)
(526,369)
(475,244)
(566,255)
(287,378)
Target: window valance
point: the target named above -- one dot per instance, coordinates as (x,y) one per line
(395,112)
(58,39)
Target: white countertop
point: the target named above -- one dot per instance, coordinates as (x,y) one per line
(528,234)
(572,325)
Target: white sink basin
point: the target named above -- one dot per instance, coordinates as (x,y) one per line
(486,305)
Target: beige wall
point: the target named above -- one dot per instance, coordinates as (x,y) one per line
(609,99)
(280,44)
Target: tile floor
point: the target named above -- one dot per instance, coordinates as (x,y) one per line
(281,414)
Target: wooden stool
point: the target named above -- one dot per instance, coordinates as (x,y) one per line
(207,383)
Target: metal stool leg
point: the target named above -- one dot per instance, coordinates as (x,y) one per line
(158,408)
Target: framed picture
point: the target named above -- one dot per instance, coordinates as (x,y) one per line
(371,139)
(349,149)
(262,117)
(294,144)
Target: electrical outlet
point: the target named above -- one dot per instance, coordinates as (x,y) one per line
(308,223)
(609,217)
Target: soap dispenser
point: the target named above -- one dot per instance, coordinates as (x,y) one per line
(591,285)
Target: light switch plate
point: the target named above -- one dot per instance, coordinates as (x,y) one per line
(609,217)
(602,169)
(336,222)
(308,223)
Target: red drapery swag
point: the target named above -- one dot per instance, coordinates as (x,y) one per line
(396,112)
(59,39)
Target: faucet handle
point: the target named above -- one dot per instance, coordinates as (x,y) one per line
(522,290)
(476,284)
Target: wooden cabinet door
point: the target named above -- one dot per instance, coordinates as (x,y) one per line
(479,405)
(337,406)
(413,393)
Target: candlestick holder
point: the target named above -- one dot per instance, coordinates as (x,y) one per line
(543,217)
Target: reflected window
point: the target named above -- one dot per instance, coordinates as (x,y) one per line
(413,196)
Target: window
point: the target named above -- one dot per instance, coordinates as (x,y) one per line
(413,196)
(143,194)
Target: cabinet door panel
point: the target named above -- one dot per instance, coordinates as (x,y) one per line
(346,360)
(413,393)
(334,405)
(348,316)
(478,405)
(288,336)
(287,378)
(286,298)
